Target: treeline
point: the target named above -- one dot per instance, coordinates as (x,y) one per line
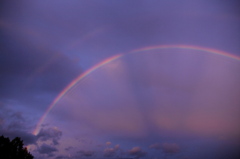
(13,149)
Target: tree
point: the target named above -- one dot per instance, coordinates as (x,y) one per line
(13,149)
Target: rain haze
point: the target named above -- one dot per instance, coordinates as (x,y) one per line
(149,79)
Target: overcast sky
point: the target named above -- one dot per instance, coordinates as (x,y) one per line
(168,102)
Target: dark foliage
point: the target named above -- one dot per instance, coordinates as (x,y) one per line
(13,149)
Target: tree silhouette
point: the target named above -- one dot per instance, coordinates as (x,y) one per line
(13,149)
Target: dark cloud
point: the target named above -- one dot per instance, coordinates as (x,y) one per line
(69,148)
(86,153)
(46,149)
(11,119)
(14,124)
(52,134)
(63,157)
(1,122)
(30,69)
(136,152)
(28,138)
(79,154)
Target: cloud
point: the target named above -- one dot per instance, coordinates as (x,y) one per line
(29,70)
(110,152)
(170,148)
(53,134)
(14,124)
(1,122)
(47,149)
(63,157)
(27,138)
(86,153)
(77,155)
(60,68)
(116,147)
(9,117)
(108,143)
(69,148)
(18,121)
(136,152)
(156,146)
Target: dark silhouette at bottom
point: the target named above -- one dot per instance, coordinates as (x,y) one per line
(13,149)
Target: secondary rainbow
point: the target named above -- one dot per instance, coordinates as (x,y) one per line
(106,61)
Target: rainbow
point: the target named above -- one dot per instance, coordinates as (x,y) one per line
(70,85)
(189,47)
(108,60)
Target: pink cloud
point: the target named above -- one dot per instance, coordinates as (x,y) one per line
(109,152)
(137,152)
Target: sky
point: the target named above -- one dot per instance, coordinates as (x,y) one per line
(149,79)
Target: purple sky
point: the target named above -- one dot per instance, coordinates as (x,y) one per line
(172,103)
